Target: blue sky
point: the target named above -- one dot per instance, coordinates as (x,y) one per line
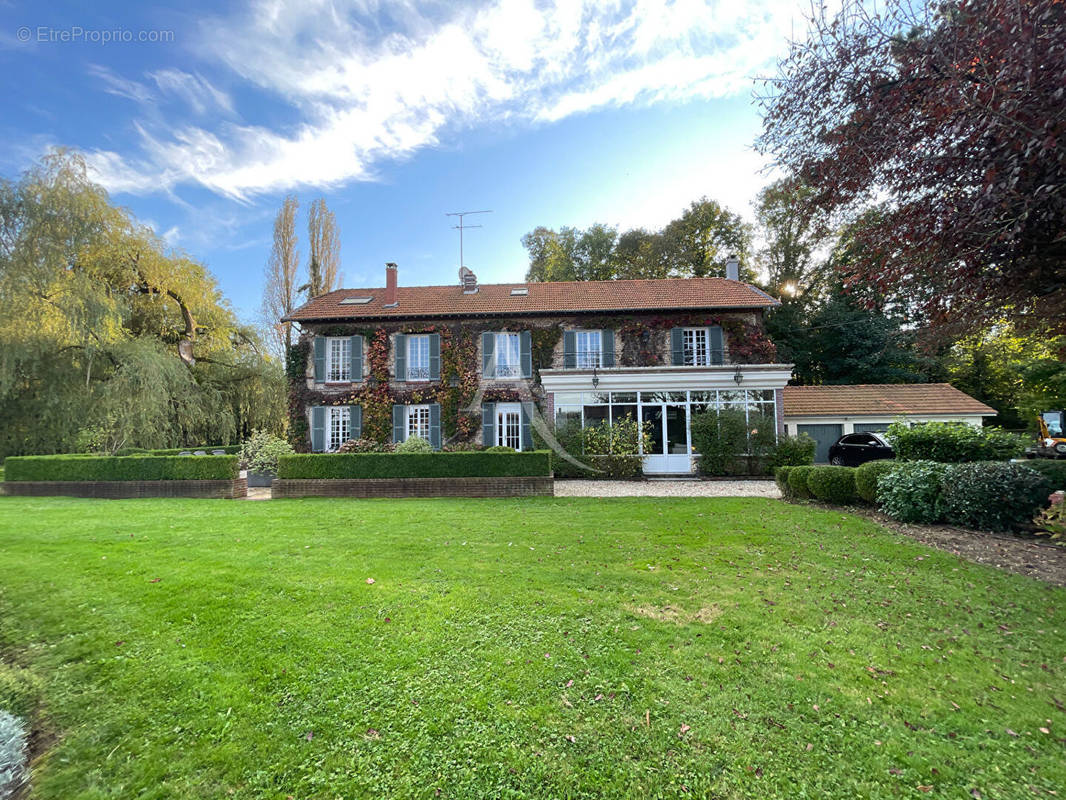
(201,118)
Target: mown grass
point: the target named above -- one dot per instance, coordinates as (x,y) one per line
(536,648)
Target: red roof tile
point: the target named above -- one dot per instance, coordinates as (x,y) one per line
(542,298)
(884,400)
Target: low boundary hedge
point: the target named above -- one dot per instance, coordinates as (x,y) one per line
(324,466)
(120,468)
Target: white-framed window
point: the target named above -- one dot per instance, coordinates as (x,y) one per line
(417,422)
(338,359)
(508,356)
(340,427)
(697,347)
(509,425)
(589,349)
(418,358)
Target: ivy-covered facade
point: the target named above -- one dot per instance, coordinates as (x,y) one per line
(497,379)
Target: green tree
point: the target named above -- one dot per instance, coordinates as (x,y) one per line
(699,242)
(108,336)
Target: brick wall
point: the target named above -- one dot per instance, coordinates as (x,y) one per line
(225,490)
(414,487)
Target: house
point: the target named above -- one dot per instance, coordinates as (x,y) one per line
(825,413)
(471,364)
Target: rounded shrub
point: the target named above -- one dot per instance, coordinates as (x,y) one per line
(832,484)
(910,491)
(414,444)
(500,448)
(867,476)
(992,495)
(797,482)
(781,479)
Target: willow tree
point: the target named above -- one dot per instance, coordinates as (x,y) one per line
(108,338)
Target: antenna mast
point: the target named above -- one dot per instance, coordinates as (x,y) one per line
(461,227)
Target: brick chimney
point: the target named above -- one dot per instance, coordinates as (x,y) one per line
(732,268)
(390,284)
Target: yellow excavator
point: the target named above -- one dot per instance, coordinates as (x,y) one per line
(1052,442)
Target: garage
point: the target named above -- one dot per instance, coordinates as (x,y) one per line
(825,413)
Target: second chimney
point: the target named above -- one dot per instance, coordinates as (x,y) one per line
(390,284)
(732,268)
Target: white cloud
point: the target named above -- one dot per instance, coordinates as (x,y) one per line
(372,81)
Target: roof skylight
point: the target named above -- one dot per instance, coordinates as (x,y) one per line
(356,301)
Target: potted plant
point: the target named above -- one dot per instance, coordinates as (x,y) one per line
(259,455)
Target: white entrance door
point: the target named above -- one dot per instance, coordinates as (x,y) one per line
(509,425)
(668,431)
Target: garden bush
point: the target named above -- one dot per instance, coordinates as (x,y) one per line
(414,444)
(867,475)
(781,479)
(910,491)
(1053,469)
(500,448)
(414,465)
(792,451)
(120,468)
(609,451)
(797,482)
(261,450)
(993,495)
(832,484)
(953,442)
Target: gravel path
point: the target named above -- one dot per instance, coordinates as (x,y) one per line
(666,489)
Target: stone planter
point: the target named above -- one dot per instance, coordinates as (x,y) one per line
(260,479)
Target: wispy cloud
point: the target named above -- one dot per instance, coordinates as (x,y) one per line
(371,81)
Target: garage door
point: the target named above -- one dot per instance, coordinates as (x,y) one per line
(824,436)
(871,427)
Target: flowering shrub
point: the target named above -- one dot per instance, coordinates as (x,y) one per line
(910,491)
(260,451)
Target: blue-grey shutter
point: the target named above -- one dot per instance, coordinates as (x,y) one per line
(717,350)
(434,356)
(488,424)
(527,432)
(355,422)
(357,358)
(434,426)
(569,349)
(318,428)
(677,347)
(398,420)
(320,359)
(607,348)
(400,346)
(525,343)
(488,341)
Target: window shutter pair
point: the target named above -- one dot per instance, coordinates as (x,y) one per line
(570,349)
(355,353)
(714,342)
(399,424)
(318,426)
(525,354)
(434,356)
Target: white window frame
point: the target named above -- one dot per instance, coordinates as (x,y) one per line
(588,349)
(416,422)
(508,425)
(506,368)
(338,359)
(417,344)
(338,427)
(691,344)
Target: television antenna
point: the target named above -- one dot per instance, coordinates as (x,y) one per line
(462,227)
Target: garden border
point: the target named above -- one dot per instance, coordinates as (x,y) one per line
(232,489)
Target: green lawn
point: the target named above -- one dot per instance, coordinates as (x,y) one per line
(529,648)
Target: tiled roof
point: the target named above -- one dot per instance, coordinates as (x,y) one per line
(541,298)
(883,399)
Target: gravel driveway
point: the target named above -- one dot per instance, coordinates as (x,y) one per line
(666,489)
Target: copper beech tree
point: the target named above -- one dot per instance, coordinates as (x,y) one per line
(951,118)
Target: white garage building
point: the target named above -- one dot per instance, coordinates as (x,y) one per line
(825,413)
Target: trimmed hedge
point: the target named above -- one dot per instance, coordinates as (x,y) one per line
(867,475)
(120,468)
(1052,469)
(797,482)
(953,442)
(992,496)
(781,479)
(325,466)
(832,484)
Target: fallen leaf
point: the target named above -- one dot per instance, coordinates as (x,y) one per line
(684,729)
(310,735)
(155,580)
(569,683)
(925,788)
(370,580)
(571,739)
(1045,730)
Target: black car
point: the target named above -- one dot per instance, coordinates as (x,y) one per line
(853,449)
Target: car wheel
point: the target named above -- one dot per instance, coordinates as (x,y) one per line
(836,461)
